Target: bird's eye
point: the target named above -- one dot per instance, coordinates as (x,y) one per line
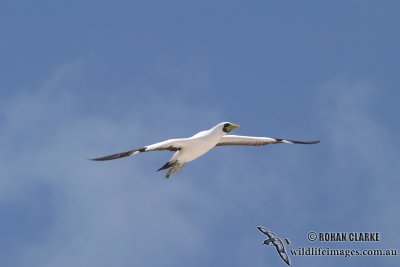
(226,124)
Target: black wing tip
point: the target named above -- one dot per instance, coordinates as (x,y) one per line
(312,142)
(262,229)
(303,142)
(114,156)
(102,159)
(120,155)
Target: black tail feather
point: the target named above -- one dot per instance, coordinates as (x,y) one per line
(166,165)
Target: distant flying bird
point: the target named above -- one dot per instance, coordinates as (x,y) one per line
(275,241)
(188,149)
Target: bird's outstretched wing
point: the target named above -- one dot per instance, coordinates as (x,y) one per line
(171,145)
(284,256)
(266,232)
(238,140)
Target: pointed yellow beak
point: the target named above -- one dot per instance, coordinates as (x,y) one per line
(232,127)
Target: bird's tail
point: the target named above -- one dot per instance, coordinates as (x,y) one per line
(167,165)
(174,167)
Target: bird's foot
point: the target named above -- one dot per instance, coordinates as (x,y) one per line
(176,167)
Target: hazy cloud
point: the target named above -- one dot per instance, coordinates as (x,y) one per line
(63,210)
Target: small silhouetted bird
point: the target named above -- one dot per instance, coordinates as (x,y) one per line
(277,242)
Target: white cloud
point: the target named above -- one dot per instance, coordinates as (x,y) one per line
(123,213)
(364,158)
(103,214)
(357,183)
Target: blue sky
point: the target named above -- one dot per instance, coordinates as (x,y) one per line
(88,78)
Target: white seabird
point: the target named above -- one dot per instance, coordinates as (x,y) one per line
(188,149)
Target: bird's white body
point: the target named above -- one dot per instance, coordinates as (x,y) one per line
(198,145)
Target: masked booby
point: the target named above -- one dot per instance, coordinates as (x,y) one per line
(188,149)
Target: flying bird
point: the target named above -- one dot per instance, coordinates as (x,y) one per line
(277,242)
(188,149)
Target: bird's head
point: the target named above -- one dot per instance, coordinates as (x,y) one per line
(267,242)
(228,126)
